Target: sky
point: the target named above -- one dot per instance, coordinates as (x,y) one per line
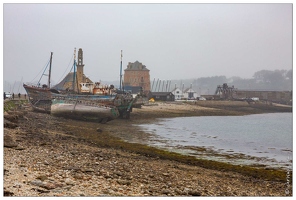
(174,41)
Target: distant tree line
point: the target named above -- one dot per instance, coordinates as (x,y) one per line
(277,80)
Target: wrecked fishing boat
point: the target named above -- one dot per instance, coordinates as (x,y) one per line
(91,108)
(83,108)
(78,97)
(40,96)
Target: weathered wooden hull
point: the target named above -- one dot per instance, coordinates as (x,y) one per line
(40,98)
(86,110)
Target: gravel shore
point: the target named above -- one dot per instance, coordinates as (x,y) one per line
(43,157)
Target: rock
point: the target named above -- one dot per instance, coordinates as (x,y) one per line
(87,170)
(78,176)
(42,177)
(9,124)
(48,186)
(19,148)
(118,173)
(123,182)
(8,193)
(165,174)
(11,118)
(99,130)
(5,171)
(194,193)
(9,142)
(17,113)
(165,191)
(36,183)
(69,182)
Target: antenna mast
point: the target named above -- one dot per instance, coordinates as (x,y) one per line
(49,73)
(120,71)
(74,74)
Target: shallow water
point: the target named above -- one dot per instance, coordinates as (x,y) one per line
(259,139)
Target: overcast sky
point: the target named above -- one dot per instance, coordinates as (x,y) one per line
(174,41)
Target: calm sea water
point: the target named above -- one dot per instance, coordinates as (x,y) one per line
(265,139)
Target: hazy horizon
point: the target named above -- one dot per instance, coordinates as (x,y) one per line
(174,41)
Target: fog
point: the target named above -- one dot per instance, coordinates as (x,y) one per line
(174,41)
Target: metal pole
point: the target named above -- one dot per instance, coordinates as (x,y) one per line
(156,84)
(152,85)
(159,85)
(49,73)
(120,71)
(166,86)
(74,74)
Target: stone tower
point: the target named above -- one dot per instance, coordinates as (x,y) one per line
(80,66)
(136,74)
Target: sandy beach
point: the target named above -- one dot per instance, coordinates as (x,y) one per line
(51,156)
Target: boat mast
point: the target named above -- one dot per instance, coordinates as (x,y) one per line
(120,71)
(74,74)
(49,73)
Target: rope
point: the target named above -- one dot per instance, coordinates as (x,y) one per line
(41,71)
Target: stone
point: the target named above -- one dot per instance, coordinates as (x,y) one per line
(19,148)
(9,142)
(48,186)
(11,118)
(36,183)
(165,191)
(9,124)
(87,170)
(69,182)
(42,177)
(99,130)
(123,182)
(194,193)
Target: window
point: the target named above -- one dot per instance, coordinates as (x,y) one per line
(177,92)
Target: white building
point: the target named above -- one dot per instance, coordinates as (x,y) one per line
(190,94)
(178,93)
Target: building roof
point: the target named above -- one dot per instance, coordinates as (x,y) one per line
(176,89)
(136,66)
(161,93)
(188,90)
(68,78)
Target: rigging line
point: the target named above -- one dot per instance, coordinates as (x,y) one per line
(42,73)
(41,70)
(67,78)
(20,85)
(66,70)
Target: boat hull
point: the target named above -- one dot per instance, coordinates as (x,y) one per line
(78,109)
(40,98)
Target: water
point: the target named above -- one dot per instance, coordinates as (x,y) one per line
(260,139)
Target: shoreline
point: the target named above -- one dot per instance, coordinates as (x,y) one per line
(62,157)
(205,151)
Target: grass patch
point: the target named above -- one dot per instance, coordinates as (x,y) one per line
(13,105)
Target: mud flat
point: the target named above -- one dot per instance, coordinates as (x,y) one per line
(50,156)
